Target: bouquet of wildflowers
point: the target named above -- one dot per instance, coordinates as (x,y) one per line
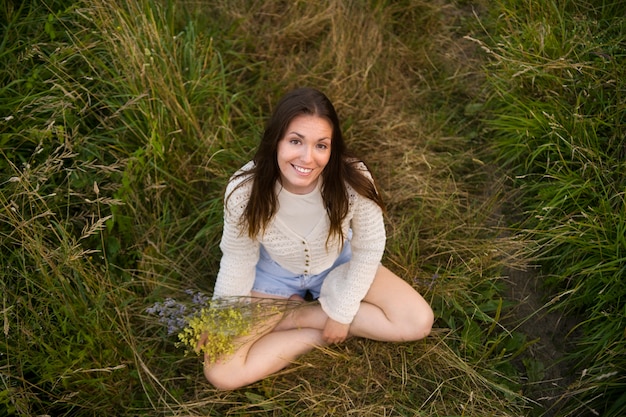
(209,327)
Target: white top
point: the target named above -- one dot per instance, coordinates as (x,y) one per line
(293,208)
(304,250)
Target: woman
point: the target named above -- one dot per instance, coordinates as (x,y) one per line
(304,218)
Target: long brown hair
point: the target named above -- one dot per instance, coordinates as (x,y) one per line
(341,168)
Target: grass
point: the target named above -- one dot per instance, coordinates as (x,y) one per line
(122,123)
(557,123)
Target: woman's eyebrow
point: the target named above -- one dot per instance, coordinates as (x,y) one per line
(301,136)
(297,134)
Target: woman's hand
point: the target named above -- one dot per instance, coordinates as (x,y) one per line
(335,332)
(201,342)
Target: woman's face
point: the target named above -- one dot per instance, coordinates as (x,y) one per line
(303,152)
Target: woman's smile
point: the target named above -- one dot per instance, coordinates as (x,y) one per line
(302,170)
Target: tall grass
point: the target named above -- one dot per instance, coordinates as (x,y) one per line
(64,329)
(121,124)
(558,121)
(103,181)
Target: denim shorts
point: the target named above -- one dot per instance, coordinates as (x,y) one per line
(273,279)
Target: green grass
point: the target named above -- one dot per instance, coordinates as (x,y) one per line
(557,119)
(120,125)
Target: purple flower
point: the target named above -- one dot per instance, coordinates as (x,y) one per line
(175,314)
(198,298)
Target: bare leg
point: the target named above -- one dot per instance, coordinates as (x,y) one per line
(263,353)
(391,311)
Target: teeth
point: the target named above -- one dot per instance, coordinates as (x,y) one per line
(303,170)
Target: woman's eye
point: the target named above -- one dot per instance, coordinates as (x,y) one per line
(294,141)
(322,146)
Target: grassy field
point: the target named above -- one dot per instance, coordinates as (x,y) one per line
(558,119)
(120,124)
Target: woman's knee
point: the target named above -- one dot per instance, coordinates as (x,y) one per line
(222,378)
(418,324)
(424,322)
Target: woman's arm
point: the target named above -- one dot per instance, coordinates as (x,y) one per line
(347,285)
(240,253)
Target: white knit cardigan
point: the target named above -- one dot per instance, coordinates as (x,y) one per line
(344,287)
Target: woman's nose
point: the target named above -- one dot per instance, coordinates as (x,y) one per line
(306,154)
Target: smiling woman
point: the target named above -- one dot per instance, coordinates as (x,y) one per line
(303,153)
(304,219)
